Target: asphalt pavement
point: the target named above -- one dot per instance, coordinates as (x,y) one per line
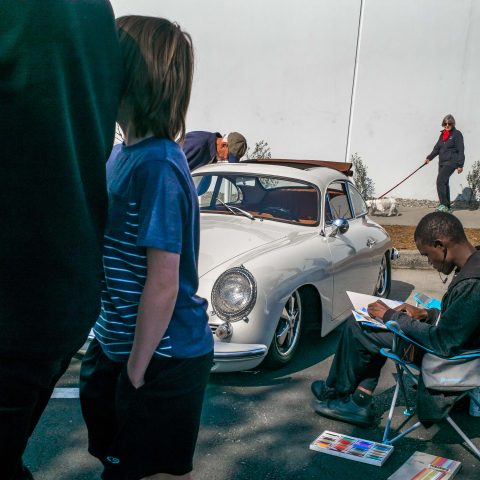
(258,425)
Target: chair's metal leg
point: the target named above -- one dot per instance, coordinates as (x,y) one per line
(390,414)
(409,410)
(402,434)
(460,432)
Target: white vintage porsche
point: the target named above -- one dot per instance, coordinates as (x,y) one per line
(281,242)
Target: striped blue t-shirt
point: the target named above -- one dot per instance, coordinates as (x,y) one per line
(152,204)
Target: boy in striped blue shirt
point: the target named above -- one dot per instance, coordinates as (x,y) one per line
(143,377)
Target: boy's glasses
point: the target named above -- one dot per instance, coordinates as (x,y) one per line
(447,124)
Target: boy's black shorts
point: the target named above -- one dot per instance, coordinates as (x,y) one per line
(144,431)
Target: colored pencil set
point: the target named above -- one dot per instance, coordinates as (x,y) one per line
(423,466)
(352,448)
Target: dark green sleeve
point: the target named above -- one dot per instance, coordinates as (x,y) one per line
(459,325)
(432,315)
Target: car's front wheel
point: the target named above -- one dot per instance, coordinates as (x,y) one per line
(287,334)
(384,281)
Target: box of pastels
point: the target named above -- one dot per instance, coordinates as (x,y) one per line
(352,448)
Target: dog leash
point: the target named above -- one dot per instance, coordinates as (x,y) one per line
(406,178)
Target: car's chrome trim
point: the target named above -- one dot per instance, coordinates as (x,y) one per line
(238,352)
(395,254)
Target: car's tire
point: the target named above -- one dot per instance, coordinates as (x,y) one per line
(384,280)
(287,333)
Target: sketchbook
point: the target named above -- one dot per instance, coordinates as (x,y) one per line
(360,303)
(365,319)
(423,466)
(352,448)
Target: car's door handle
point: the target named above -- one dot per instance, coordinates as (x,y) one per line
(371,242)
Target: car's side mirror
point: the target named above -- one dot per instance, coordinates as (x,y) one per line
(339,225)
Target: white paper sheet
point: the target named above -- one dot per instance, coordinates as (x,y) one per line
(365,319)
(360,301)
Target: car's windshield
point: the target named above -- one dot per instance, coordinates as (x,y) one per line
(269,198)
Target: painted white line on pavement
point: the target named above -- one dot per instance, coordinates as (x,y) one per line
(65,393)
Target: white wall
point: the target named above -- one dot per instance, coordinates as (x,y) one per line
(418,62)
(282,71)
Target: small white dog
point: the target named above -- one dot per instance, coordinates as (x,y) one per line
(382,206)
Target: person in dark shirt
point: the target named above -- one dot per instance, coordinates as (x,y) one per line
(346,395)
(202,148)
(451,156)
(60,83)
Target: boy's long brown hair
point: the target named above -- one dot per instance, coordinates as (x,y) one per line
(158,69)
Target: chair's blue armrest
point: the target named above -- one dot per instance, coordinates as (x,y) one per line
(386,352)
(394,327)
(466,354)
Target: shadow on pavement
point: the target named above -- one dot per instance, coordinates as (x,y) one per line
(401,290)
(312,350)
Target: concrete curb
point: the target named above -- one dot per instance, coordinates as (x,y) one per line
(411,259)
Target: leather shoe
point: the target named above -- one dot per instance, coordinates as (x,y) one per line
(321,391)
(345,410)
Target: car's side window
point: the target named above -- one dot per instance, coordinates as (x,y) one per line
(336,202)
(205,188)
(229,192)
(358,203)
(210,188)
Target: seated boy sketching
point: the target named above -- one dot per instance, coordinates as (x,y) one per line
(347,392)
(144,375)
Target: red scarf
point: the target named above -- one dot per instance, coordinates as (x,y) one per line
(445,135)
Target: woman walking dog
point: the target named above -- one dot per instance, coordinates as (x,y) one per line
(451,157)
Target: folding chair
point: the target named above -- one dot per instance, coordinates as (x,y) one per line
(404,368)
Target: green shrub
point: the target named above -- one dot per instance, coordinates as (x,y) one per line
(363,183)
(260,150)
(473,179)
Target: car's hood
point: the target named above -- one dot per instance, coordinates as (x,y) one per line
(224,237)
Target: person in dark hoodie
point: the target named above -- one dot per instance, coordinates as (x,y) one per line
(60,84)
(451,156)
(346,394)
(202,148)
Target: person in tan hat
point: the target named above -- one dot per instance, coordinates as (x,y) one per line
(202,148)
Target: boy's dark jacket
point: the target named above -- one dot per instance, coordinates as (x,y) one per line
(60,80)
(457,330)
(451,152)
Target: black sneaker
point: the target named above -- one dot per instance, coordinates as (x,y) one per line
(345,410)
(322,392)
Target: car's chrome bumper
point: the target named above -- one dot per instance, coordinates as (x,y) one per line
(231,357)
(228,357)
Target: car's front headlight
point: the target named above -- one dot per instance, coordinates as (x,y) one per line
(234,294)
